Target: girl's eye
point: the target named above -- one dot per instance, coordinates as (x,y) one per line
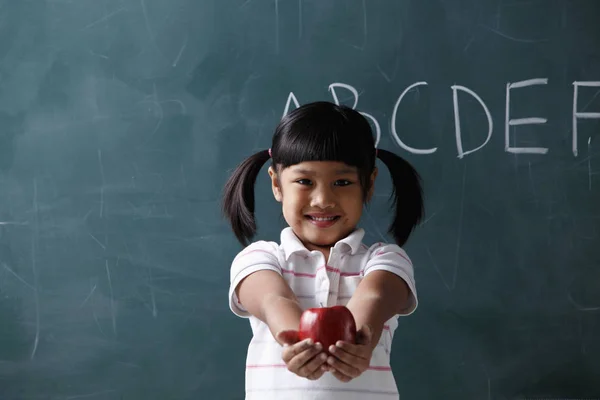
(343,182)
(304,181)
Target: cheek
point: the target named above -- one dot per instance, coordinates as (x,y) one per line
(292,205)
(353,201)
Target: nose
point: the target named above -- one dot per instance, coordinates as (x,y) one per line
(322,197)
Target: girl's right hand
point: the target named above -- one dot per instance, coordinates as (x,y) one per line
(304,358)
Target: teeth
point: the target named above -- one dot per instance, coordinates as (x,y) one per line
(323,219)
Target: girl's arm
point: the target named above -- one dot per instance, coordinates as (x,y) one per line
(267,296)
(387,289)
(378,297)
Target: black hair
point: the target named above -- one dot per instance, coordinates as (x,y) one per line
(324,131)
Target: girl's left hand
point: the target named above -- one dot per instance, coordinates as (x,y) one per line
(349,361)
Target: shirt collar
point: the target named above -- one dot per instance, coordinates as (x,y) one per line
(291,244)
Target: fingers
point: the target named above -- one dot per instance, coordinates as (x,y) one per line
(318,373)
(314,368)
(308,361)
(291,351)
(340,376)
(348,370)
(348,361)
(350,353)
(305,359)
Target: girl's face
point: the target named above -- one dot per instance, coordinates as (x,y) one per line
(322,201)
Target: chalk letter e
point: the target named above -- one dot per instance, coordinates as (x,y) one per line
(521,121)
(577,114)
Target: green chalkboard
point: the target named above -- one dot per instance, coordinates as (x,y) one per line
(120,121)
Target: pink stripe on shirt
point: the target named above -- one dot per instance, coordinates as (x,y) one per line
(255,251)
(338,271)
(303,274)
(380,253)
(256,366)
(308,275)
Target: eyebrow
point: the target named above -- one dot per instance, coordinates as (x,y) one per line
(342,171)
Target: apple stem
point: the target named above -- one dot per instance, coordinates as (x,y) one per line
(321,305)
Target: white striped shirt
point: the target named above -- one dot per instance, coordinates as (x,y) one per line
(318,283)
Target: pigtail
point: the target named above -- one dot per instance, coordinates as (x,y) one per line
(238,196)
(407,195)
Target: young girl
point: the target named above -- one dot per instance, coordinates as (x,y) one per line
(322,172)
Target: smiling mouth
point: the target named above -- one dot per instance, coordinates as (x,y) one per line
(323,222)
(323,219)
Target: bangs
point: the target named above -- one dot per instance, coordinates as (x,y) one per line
(324,132)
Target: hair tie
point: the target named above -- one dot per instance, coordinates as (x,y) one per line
(270,153)
(376,152)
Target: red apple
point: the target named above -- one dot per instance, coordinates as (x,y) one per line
(327,325)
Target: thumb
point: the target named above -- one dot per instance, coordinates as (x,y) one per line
(364,335)
(287,337)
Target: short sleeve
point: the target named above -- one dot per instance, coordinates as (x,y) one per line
(392,258)
(258,256)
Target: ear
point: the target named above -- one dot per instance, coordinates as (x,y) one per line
(372,184)
(275,186)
